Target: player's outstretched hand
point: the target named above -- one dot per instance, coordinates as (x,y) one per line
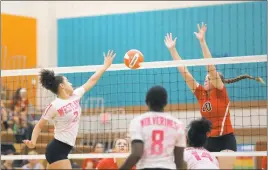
(170,43)
(200,35)
(29,144)
(108,59)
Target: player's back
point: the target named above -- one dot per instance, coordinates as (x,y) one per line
(200,158)
(160,132)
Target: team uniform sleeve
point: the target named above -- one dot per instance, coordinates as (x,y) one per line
(135,130)
(80,91)
(199,92)
(50,113)
(181,138)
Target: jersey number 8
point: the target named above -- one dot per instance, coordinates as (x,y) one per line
(157,142)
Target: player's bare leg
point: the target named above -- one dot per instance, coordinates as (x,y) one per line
(62,164)
(226,162)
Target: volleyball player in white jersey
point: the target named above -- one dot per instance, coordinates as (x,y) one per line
(157,137)
(196,156)
(65,112)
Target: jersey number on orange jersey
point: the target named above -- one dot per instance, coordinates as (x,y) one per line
(203,155)
(157,142)
(207,107)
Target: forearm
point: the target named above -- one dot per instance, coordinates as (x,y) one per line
(35,134)
(130,162)
(206,53)
(187,76)
(176,56)
(97,75)
(92,81)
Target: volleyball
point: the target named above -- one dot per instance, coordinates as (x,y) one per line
(133,58)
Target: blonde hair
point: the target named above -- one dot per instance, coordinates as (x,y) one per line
(33,152)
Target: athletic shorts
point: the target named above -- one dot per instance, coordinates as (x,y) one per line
(225,142)
(57,150)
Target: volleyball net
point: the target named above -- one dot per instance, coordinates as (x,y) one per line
(119,96)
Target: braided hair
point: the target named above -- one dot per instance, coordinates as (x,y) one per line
(241,77)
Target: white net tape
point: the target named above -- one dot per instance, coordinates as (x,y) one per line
(124,155)
(145,65)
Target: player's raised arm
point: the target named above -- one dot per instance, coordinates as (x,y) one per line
(170,44)
(108,59)
(36,131)
(212,72)
(48,115)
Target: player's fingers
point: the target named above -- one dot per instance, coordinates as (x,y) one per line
(114,56)
(167,36)
(198,27)
(165,42)
(175,39)
(165,39)
(195,33)
(112,52)
(109,52)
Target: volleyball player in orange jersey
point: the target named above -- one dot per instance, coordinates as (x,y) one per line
(212,98)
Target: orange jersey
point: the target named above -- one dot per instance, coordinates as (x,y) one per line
(215,108)
(108,163)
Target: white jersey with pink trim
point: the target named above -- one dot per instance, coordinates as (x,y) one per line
(200,158)
(160,133)
(65,115)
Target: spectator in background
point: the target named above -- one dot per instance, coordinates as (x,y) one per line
(32,163)
(120,146)
(98,148)
(8,164)
(22,124)
(92,163)
(20,100)
(264,163)
(6,123)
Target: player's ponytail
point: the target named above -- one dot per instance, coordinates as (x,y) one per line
(241,77)
(50,81)
(197,134)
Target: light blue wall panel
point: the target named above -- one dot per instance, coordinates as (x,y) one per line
(233,30)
